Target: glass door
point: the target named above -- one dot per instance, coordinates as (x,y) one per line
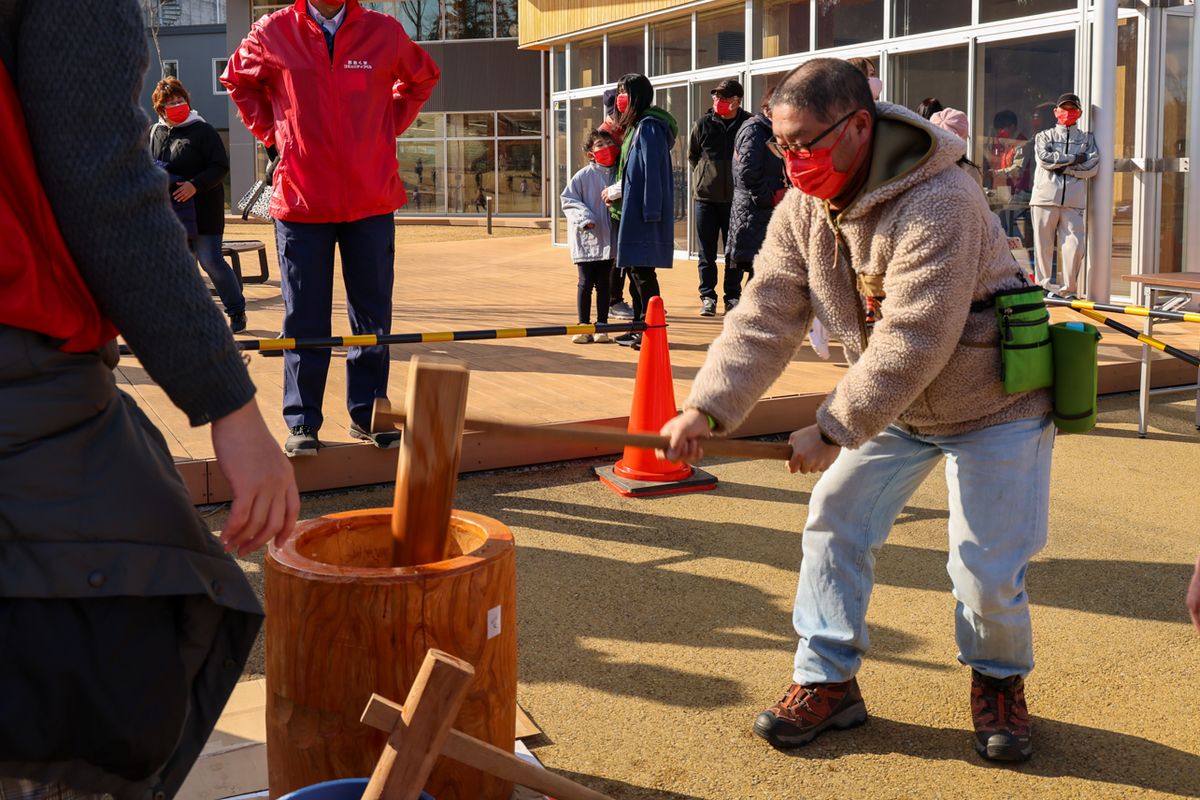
(674,100)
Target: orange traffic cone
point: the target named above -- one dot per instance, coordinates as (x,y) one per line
(640,473)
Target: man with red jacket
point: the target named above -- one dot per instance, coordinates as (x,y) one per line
(327,87)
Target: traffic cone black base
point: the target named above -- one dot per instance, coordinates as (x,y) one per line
(698,481)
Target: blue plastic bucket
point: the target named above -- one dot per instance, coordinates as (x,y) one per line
(345,789)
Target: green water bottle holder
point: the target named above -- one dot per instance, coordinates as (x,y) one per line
(1076,375)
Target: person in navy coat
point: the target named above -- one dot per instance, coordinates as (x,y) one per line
(645,201)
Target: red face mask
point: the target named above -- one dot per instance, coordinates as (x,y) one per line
(177,114)
(722,106)
(816,175)
(606,156)
(1067,117)
(622,103)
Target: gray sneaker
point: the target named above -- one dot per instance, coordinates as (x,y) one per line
(302,442)
(620,310)
(708,307)
(384,440)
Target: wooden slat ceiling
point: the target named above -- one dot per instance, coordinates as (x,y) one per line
(542,20)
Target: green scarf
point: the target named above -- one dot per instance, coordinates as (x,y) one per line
(626,143)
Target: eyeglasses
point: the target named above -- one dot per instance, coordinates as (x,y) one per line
(804,149)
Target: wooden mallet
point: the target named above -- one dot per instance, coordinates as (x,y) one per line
(384,418)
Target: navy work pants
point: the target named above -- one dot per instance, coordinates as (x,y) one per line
(306,269)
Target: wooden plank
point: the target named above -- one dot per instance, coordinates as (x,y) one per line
(428,465)
(417,739)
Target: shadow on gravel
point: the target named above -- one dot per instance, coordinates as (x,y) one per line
(1062,750)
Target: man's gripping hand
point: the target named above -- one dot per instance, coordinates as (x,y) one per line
(686,431)
(810,453)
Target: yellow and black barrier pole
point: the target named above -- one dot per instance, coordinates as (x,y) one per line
(1141,337)
(1133,311)
(371,340)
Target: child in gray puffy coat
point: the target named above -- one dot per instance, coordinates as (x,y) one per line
(590,230)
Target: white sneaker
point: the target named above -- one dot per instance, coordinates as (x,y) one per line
(818,339)
(582,338)
(601,338)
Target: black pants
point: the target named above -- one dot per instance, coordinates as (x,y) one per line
(712,223)
(593,275)
(616,287)
(643,284)
(737,275)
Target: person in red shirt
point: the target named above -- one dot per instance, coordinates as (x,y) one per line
(327,87)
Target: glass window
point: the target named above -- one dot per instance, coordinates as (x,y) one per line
(422,19)
(721,37)
(506,18)
(1017,83)
(423,173)
(170,68)
(785,27)
(558,75)
(171,13)
(940,74)
(586,63)
(586,115)
(520,177)
(1173,219)
(470,125)
(674,100)
(671,47)
(218,87)
(843,22)
(992,10)
(1123,141)
(626,53)
(471,176)
(426,126)
(560,160)
(520,123)
(922,16)
(469,19)
(759,84)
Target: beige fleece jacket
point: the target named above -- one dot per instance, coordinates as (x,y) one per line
(922,227)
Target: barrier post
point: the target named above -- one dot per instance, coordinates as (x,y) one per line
(488,203)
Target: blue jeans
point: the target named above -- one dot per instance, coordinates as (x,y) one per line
(306,279)
(208,253)
(999,488)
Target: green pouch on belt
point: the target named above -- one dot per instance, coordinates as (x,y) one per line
(1025,359)
(1075,375)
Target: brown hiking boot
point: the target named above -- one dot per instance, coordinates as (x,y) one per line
(805,711)
(1002,728)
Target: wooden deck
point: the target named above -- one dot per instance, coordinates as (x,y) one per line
(522,281)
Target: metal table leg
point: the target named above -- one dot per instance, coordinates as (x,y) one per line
(1144,385)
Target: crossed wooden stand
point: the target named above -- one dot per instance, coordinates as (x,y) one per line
(420,731)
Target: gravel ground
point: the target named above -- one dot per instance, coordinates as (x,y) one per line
(653,631)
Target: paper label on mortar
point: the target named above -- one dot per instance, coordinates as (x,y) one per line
(493,622)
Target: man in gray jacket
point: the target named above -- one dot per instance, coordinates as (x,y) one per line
(883,210)
(1066,158)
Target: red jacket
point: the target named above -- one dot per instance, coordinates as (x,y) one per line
(40,287)
(335,121)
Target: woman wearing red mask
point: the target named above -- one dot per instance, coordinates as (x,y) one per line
(591,230)
(191,152)
(646,205)
(1066,158)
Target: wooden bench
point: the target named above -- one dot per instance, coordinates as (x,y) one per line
(232,249)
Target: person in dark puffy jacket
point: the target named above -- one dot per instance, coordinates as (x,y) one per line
(758,186)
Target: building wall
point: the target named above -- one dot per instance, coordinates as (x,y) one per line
(193,48)
(541,20)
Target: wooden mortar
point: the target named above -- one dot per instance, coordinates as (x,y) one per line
(343,624)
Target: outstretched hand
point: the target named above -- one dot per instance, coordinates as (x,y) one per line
(265,501)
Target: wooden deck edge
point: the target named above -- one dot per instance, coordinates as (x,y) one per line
(347,465)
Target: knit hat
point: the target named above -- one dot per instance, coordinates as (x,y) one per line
(951,119)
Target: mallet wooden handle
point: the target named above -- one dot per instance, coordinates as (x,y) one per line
(597,434)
